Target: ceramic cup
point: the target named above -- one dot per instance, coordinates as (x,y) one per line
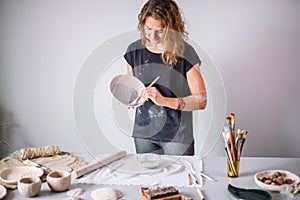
(29,186)
(59,181)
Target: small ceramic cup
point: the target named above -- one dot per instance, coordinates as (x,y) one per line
(29,186)
(59,181)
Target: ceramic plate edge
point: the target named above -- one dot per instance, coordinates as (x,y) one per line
(3,191)
(41,172)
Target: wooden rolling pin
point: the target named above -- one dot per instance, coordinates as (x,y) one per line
(98,164)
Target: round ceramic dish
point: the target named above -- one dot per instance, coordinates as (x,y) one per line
(106,194)
(2,191)
(124,88)
(12,175)
(268,173)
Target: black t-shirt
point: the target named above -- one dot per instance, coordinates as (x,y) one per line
(156,122)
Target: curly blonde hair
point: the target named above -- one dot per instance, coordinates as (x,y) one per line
(175,35)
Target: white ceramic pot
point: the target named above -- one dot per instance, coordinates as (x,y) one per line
(29,186)
(59,181)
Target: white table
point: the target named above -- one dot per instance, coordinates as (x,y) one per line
(213,166)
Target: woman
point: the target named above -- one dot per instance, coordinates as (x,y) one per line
(164,123)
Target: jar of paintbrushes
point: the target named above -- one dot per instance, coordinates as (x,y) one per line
(234,140)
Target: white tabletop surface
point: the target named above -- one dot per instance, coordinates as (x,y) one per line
(213,166)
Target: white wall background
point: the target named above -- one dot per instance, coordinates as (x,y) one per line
(255,45)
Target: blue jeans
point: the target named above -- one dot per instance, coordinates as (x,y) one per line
(163,148)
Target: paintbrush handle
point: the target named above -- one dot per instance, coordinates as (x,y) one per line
(193,178)
(232,144)
(154,81)
(242,146)
(190,179)
(206,176)
(200,194)
(231,163)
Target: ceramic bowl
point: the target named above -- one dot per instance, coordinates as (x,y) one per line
(59,181)
(287,175)
(125,88)
(149,160)
(29,186)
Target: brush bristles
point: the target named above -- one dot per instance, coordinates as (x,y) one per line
(228,120)
(245,132)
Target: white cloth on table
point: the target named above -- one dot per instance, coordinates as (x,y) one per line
(172,171)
